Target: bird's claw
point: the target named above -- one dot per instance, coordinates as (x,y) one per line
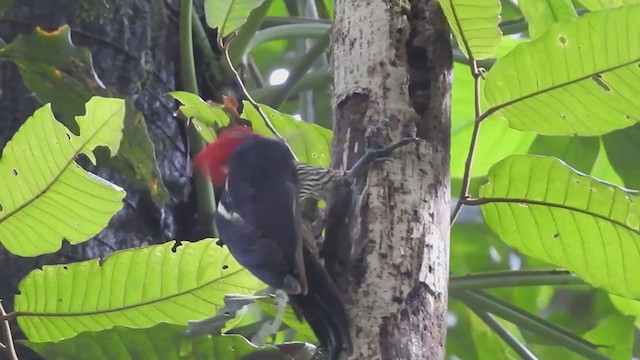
(379,155)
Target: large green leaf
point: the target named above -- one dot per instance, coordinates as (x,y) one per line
(228,15)
(547,85)
(475,25)
(46,197)
(161,342)
(137,288)
(60,73)
(550,212)
(541,14)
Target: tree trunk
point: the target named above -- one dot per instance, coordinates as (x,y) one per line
(394,62)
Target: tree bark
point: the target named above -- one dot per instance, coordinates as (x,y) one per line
(393,61)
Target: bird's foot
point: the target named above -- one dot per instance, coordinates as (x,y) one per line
(379,155)
(269,328)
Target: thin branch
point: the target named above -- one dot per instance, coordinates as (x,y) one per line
(513,278)
(225,47)
(504,334)
(466,178)
(9,346)
(206,197)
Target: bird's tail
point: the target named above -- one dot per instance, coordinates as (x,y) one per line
(323,309)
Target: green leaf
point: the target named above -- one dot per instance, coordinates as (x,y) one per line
(202,114)
(228,15)
(162,342)
(547,87)
(310,142)
(137,288)
(595,5)
(46,197)
(614,335)
(475,25)
(62,74)
(57,71)
(541,14)
(627,307)
(550,212)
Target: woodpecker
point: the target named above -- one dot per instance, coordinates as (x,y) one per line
(259,220)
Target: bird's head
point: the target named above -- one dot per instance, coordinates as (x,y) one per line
(213,160)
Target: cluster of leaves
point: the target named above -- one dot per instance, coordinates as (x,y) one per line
(559,103)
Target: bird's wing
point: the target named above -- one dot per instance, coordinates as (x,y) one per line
(261,226)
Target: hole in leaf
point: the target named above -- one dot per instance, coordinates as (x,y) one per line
(15,172)
(556,235)
(68,136)
(563,116)
(225,267)
(600,82)
(65,267)
(563,40)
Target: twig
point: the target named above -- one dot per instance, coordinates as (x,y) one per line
(9,347)
(225,49)
(466,178)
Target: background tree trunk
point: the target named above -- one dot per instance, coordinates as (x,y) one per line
(394,62)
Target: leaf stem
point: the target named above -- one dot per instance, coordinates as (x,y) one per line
(206,200)
(513,278)
(466,178)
